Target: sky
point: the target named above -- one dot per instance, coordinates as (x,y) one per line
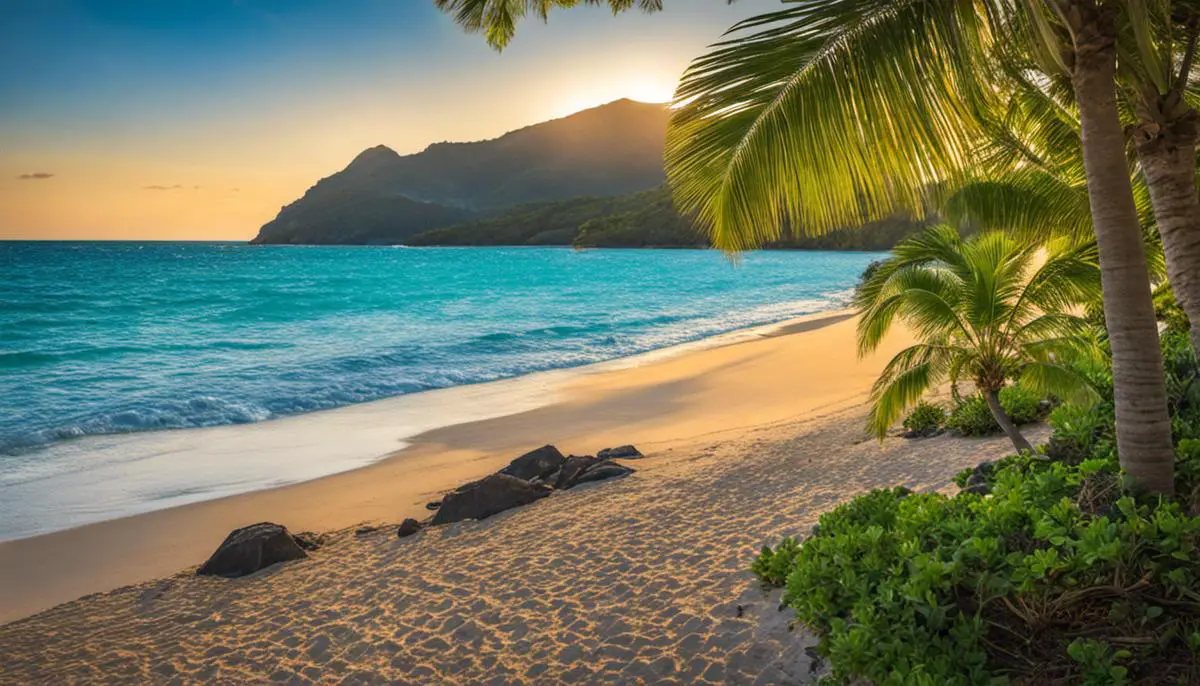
(199,119)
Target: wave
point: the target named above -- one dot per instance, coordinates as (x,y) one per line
(273,334)
(365,378)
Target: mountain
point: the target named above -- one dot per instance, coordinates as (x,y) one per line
(639,220)
(384,197)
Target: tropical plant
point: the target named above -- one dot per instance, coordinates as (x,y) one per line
(926,419)
(1158,83)
(760,140)
(1053,578)
(983,310)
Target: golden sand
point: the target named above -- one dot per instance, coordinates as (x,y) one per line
(639,580)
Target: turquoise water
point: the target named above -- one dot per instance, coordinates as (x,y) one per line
(117,338)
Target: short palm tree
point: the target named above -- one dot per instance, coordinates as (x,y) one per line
(990,310)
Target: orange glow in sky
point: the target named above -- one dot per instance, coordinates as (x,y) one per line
(147,125)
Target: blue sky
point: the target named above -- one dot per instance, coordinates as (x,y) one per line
(199,118)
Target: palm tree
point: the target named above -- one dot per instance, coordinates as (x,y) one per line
(1079,37)
(827,113)
(984,310)
(1158,83)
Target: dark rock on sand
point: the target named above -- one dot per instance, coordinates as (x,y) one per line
(624,452)
(252,548)
(535,464)
(486,497)
(433,505)
(571,470)
(366,530)
(408,527)
(602,470)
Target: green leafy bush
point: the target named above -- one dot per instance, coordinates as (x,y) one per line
(772,566)
(1078,431)
(1168,311)
(926,419)
(1054,578)
(1022,405)
(1187,472)
(972,417)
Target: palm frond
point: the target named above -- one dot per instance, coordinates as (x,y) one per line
(1052,379)
(497,19)
(907,377)
(825,114)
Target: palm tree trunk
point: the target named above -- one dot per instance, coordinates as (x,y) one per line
(1005,422)
(1143,425)
(1168,157)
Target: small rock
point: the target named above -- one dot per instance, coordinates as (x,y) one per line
(980,480)
(626,452)
(366,530)
(251,548)
(602,470)
(486,497)
(408,527)
(433,505)
(571,469)
(535,464)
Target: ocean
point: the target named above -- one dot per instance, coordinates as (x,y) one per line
(119,362)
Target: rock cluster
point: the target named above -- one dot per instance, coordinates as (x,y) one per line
(525,480)
(529,478)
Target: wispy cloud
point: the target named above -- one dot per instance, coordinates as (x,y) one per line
(35,176)
(176,187)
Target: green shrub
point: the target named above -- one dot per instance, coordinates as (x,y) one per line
(772,566)
(926,419)
(972,417)
(1187,472)
(1183,385)
(1078,430)
(1168,311)
(1054,578)
(1022,405)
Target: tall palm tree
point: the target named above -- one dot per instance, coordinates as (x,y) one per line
(1158,80)
(833,111)
(1079,37)
(984,310)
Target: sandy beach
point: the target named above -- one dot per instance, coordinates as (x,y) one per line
(640,580)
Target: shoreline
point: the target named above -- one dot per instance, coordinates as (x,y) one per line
(292,449)
(720,385)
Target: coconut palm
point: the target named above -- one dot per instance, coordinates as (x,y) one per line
(830,112)
(1158,82)
(985,311)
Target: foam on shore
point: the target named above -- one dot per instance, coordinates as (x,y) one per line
(122,475)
